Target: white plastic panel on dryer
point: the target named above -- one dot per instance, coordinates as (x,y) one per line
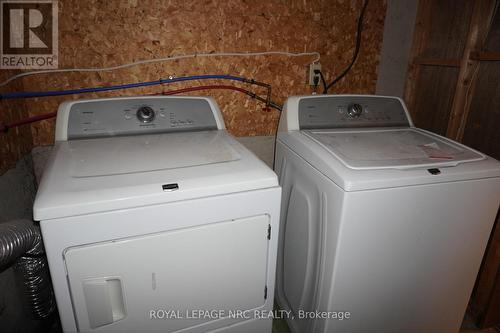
(220,266)
(112,156)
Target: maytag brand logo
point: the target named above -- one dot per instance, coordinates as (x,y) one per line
(28,34)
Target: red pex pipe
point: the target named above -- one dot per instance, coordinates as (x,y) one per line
(212,87)
(209,87)
(25,121)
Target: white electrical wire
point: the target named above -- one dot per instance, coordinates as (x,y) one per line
(150,61)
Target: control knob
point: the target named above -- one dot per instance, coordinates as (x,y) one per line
(354,110)
(145,114)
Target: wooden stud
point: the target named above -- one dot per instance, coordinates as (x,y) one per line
(478,30)
(418,46)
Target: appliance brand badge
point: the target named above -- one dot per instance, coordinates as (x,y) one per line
(29,32)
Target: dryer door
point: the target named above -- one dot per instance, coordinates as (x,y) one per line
(156,282)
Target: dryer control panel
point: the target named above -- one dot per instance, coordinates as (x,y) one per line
(351,111)
(136,115)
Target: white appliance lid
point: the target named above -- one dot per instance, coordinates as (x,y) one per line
(145,153)
(404,148)
(105,174)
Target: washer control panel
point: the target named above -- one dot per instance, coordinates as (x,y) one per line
(139,115)
(347,111)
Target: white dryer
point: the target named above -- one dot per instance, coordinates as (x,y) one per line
(383,225)
(155,219)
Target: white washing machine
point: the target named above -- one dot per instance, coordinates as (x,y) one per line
(155,219)
(383,225)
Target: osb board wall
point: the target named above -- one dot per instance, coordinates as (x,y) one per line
(16,142)
(108,33)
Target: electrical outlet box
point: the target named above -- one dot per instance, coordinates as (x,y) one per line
(312,67)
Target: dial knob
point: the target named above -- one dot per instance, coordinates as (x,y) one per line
(354,110)
(145,114)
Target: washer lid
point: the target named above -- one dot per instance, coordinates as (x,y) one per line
(392,148)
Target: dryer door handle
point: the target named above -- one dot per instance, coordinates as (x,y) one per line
(104,301)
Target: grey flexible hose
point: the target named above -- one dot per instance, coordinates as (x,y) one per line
(21,244)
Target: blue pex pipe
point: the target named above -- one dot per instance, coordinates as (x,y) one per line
(31,94)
